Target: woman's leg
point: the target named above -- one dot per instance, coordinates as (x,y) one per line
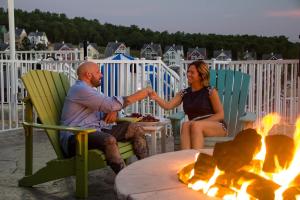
(204,128)
(185,139)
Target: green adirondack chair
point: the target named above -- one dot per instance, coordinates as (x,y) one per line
(233,87)
(46,93)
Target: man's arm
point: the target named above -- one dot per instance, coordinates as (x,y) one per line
(138,96)
(92,99)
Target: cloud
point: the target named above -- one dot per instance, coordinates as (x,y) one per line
(285,13)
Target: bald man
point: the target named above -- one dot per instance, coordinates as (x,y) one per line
(85,107)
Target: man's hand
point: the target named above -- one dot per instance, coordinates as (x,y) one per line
(148,90)
(153,95)
(111,117)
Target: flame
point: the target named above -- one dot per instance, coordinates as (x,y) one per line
(205,186)
(212,192)
(286,176)
(229,197)
(263,130)
(196,156)
(242,193)
(267,123)
(192,173)
(198,185)
(212,180)
(283,176)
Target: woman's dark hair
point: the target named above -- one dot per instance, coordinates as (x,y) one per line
(203,71)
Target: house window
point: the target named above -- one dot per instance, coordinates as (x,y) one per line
(173,55)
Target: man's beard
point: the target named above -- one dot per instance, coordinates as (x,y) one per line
(95,82)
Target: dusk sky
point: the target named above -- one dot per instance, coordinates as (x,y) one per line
(252,17)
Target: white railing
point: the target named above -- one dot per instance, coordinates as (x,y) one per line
(44,55)
(121,78)
(274,85)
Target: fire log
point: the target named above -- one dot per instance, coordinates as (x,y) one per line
(296,181)
(184,173)
(280,147)
(204,166)
(291,193)
(259,187)
(232,155)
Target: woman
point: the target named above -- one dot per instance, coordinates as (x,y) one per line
(202,105)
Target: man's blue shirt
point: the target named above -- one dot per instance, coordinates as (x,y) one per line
(83,107)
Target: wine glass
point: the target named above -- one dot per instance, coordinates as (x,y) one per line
(148,84)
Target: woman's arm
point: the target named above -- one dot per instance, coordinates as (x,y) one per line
(167,105)
(217,106)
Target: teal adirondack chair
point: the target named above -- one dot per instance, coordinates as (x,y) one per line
(46,93)
(233,87)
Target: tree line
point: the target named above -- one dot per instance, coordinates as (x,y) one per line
(59,27)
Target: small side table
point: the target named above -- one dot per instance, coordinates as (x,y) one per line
(155,128)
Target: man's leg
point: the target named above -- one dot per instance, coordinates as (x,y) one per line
(104,142)
(108,144)
(136,133)
(131,131)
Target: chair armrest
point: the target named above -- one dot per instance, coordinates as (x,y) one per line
(248,117)
(75,130)
(177,116)
(129,119)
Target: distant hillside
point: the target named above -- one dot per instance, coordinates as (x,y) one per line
(60,28)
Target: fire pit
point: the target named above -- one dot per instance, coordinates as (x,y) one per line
(252,166)
(156,178)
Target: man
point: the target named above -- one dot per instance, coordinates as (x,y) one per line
(85,107)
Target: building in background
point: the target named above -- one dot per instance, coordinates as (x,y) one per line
(64,51)
(173,55)
(4,47)
(92,51)
(222,54)
(247,55)
(37,37)
(20,34)
(196,54)
(61,46)
(151,51)
(3,30)
(116,48)
(272,56)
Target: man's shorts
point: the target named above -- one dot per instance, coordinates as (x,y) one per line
(97,139)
